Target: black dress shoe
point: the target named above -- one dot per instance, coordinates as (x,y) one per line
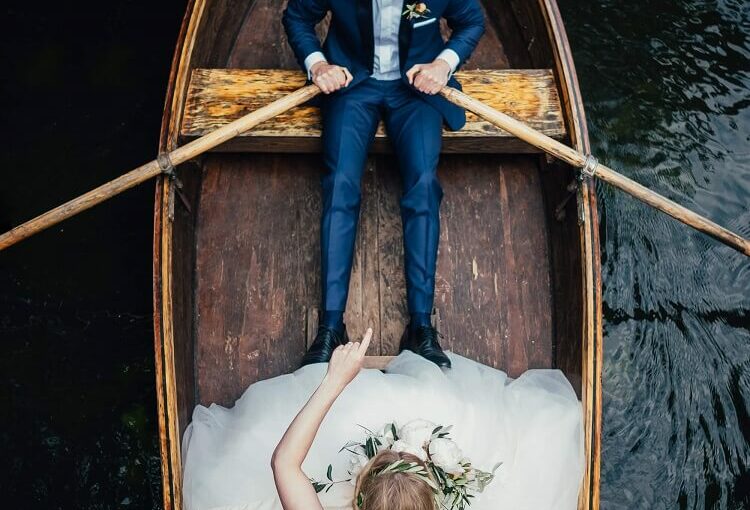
(325,342)
(424,341)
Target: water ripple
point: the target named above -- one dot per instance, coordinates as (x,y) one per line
(667,91)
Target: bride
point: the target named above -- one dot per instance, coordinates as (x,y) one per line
(284,432)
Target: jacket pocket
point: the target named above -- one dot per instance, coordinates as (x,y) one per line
(425,22)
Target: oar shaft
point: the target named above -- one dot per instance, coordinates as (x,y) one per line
(152,169)
(80,204)
(673,209)
(239,126)
(606,174)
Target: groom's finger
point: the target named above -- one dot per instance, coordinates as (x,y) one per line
(413,71)
(365,342)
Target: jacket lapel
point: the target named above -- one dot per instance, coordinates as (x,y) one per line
(365,21)
(404,38)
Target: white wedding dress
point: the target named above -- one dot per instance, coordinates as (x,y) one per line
(532,425)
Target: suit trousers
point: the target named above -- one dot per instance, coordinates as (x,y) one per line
(414,127)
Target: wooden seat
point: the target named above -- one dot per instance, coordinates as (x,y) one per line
(219,96)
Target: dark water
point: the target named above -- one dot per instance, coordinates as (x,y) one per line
(666,85)
(81,91)
(667,89)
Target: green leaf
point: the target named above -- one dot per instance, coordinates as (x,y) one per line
(319,487)
(353,452)
(370,448)
(329,474)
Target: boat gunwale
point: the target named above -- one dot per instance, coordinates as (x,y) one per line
(592,333)
(165,372)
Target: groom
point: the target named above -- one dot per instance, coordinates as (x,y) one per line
(382,58)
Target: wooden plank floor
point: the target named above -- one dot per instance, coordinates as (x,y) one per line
(257,265)
(257,277)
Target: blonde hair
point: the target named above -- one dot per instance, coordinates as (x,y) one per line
(376,490)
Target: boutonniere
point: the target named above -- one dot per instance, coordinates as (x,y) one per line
(416,11)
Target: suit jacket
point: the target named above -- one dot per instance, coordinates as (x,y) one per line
(350,41)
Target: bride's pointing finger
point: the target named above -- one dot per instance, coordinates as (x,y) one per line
(365,342)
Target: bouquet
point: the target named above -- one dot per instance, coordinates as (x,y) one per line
(454,479)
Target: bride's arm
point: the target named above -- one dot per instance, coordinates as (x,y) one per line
(294,487)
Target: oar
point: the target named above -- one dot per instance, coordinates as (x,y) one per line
(164,164)
(593,168)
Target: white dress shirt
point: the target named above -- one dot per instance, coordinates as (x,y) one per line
(386,20)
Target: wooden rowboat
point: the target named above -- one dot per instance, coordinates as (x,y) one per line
(236,281)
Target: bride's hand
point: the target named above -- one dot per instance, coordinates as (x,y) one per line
(347,361)
(292,483)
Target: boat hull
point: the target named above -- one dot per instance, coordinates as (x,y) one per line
(519,281)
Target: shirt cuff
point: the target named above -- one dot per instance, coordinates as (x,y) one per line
(312,59)
(452,58)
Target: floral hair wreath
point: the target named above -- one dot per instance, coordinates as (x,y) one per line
(443,467)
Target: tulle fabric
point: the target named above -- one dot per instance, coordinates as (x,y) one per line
(532,425)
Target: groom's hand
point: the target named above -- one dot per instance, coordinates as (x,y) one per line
(430,78)
(347,361)
(330,77)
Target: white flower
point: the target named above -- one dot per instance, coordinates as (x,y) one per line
(417,433)
(402,446)
(447,455)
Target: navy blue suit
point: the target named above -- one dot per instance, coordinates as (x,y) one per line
(413,122)
(350,39)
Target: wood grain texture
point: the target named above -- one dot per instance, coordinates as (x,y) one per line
(183,265)
(206,35)
(254,271)
(493,288)
(218,96)
(159,369)
(255,289)
(167,373)
(492,281)
(258,291)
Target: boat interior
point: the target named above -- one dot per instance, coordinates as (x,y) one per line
(245,284)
